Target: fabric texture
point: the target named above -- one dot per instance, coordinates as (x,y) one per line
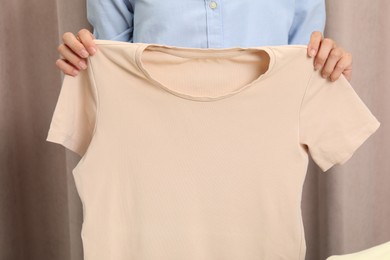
(181,148)
(207,24)
(378,252)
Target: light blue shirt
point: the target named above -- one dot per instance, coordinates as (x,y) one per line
(207,23)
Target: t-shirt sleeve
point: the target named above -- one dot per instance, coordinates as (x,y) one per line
(333,120)
(73,120)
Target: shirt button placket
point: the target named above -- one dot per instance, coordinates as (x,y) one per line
(214,23)
(213,5)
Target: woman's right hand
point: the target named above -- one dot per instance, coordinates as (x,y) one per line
(74,51)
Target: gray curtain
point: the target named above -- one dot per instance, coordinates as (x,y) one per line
(345,210)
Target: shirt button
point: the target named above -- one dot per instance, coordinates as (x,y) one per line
(213,5)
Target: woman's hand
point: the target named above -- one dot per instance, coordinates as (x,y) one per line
(333,60)
(74,50)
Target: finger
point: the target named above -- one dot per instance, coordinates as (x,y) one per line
(348,74)
(75,45)
(314,44)
(86,38)
(70,56)
(326,46)
(66,67)
(343,66)
(334,56)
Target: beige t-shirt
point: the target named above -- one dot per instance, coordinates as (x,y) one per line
(201,154)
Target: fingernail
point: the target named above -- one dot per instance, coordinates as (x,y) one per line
(84,53)
(93,50)
(83,65)
(312,52)
(317,66)
(75,72)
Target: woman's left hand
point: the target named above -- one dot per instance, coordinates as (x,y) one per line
(333,60)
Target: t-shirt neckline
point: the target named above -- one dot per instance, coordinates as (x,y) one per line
(190,52)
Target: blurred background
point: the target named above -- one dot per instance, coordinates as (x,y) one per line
(345,210)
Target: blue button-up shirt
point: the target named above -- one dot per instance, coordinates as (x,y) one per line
(207,23)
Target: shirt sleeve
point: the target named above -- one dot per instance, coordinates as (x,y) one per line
(309,16)
(111,19)
(333,120)
(73,120)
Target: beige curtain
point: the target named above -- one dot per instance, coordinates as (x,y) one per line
(345,210)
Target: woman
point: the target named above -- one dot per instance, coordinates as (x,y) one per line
(209,24)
